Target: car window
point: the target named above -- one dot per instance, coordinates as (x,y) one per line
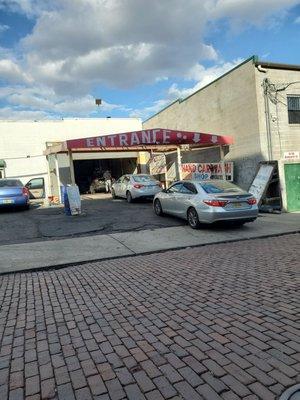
(220,187)
(143,178)
(10,183)
(36,183)
(188,188)
(175,188)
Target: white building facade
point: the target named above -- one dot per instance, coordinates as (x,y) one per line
(22,145)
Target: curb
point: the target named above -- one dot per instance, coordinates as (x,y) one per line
(76,263)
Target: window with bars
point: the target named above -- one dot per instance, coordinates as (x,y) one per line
(294,109)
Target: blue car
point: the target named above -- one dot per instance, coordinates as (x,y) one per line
(13,194)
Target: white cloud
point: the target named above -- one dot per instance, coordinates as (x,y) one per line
(11,72)
(77,44)
(31,101)
(3,28)
(9,113)
(244,12)
(199,74)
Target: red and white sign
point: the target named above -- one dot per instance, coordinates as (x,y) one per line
(149,137)
(207,171)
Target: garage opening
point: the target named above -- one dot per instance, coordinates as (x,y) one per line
(87,171)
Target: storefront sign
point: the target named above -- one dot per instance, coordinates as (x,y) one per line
(291,155)
(149,137)
(158,164)
(207,171)
(74,199)
(260,182)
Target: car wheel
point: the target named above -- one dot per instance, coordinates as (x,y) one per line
(129,197)
(113,194)
(158,208)
(193,219)
(27,207)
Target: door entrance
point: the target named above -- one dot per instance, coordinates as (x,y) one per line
(292,184)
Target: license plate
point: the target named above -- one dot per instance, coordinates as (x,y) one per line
(7,201)
(236,205)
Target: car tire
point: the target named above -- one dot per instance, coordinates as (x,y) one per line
(129,197)
(26,208)
(192,218)
(158,208)
(113,194)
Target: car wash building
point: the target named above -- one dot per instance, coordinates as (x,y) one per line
(162,152)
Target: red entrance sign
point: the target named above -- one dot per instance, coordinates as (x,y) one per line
(149,137)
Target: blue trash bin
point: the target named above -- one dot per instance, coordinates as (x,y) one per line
(66,203)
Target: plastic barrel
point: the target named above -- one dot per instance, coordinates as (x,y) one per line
(66,203)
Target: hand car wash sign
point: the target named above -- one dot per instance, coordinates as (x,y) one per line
(149,137)
(207,171)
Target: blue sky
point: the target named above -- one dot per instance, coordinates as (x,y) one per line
(57,56)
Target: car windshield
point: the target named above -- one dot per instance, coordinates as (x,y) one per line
(220,187)
(143,178)
(10,183)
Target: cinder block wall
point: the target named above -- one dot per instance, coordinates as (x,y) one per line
(227,106)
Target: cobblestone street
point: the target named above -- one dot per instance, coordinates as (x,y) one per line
(213,322)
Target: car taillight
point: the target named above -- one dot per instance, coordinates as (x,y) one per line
(216,203)
(25,191)
(138,186)
(251,201)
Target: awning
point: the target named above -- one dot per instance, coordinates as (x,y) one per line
(2,164)
(149,138)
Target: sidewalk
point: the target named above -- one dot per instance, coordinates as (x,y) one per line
(37,255)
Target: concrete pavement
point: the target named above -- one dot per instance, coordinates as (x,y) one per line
(54,253)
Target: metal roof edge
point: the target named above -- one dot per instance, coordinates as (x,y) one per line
(169,105)
(274,65)
(253,58)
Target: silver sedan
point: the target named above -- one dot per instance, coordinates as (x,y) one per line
(206,202)
(135,186)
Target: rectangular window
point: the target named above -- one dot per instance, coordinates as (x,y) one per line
(294,109)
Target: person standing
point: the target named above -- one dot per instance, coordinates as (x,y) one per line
(108,181)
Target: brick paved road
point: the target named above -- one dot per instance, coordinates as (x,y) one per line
(216,322)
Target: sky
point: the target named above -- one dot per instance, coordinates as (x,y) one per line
(138,56)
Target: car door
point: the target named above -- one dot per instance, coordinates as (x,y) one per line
(124,186)
(36,187)
(169,197)
(117,186)
(184,198)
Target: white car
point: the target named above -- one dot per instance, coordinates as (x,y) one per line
(136,186)
(207,202)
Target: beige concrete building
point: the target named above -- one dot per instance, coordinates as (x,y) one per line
(258,103)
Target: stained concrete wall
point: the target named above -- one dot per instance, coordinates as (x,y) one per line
(284,136)
(227,106)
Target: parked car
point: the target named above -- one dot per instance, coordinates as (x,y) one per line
(207,202)
(13,193)
(97,185)
(136,186)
